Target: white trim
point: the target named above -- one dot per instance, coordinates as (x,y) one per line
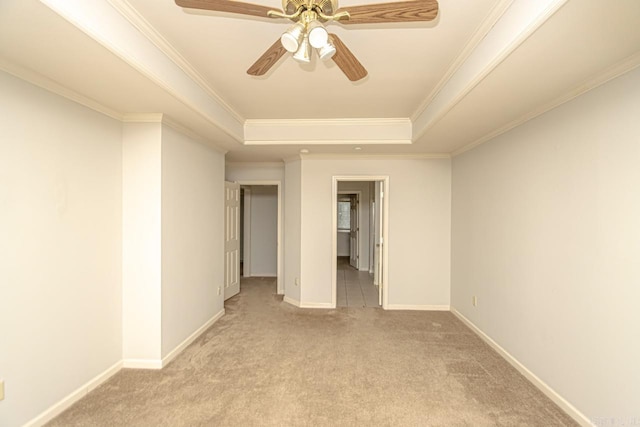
(134,47)
(53,87)
(143,118)
(59,407)
(328,122)
(163,119)
(306,304)
(337,141)
(264,275)
(280,235)
(334,237)
(607,75)
(418,307)
(138,21)
(246,233)
(299,280)
(328,131)
(345,156)
(427,119)
(567,407)
(142,363)
(292,158)
(291,301)
(166,120)
(191,338)
(479,34)
(274,165)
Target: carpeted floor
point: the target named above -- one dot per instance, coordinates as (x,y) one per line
(267,363)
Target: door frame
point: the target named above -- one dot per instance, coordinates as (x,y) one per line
(246,236)
(280,248)
(385,233)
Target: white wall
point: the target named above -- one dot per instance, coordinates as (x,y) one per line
(264,230)
(254,172)
(363,218)
(292,226)
(344,244)
(141,245)
(420,201)
(192,242)
(60,247)
(546,232)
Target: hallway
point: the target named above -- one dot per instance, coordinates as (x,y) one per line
(355,288)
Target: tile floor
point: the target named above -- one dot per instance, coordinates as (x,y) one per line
(355,288)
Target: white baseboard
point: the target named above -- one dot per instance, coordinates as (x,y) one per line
(291,301)
(567,407)
(307,304)
(191,338)
(82,391)
(417,307)
(72,398)
(316,305)
(263,274)
(161,363)
(142,363)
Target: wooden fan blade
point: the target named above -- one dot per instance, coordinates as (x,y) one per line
(347,62)
(267,60)
(403,11)
(230,6)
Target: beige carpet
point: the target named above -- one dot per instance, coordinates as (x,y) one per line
(267,363)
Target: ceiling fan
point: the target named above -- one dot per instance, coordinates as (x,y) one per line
(308,32)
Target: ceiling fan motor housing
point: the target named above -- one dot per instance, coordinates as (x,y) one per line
(328,7)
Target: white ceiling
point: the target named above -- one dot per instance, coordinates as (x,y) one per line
(481,67)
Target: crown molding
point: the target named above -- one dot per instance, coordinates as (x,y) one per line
(330,142)
(105,24)
(293,158)
(51,86)
(138,21)
(381,156)
(516,25)
(164,119)
(272,165)
(328,131)
(329,122)
(143,118)
(478,35)
(167,120)
(607,75)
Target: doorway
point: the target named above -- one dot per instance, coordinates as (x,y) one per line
(360,230)
(348,238)
(261,230)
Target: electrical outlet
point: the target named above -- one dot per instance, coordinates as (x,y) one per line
(219,290)
(297,281)
(1,389)
(474,301)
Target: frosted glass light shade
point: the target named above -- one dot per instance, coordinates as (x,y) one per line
(327,51)
(303,54)
(292,38)
(318,35)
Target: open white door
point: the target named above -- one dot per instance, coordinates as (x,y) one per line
(232,239)
(353,233)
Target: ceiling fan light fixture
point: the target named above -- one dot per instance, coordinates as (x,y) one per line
(327,51)
(292,38)
(303,54)
(318,35)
